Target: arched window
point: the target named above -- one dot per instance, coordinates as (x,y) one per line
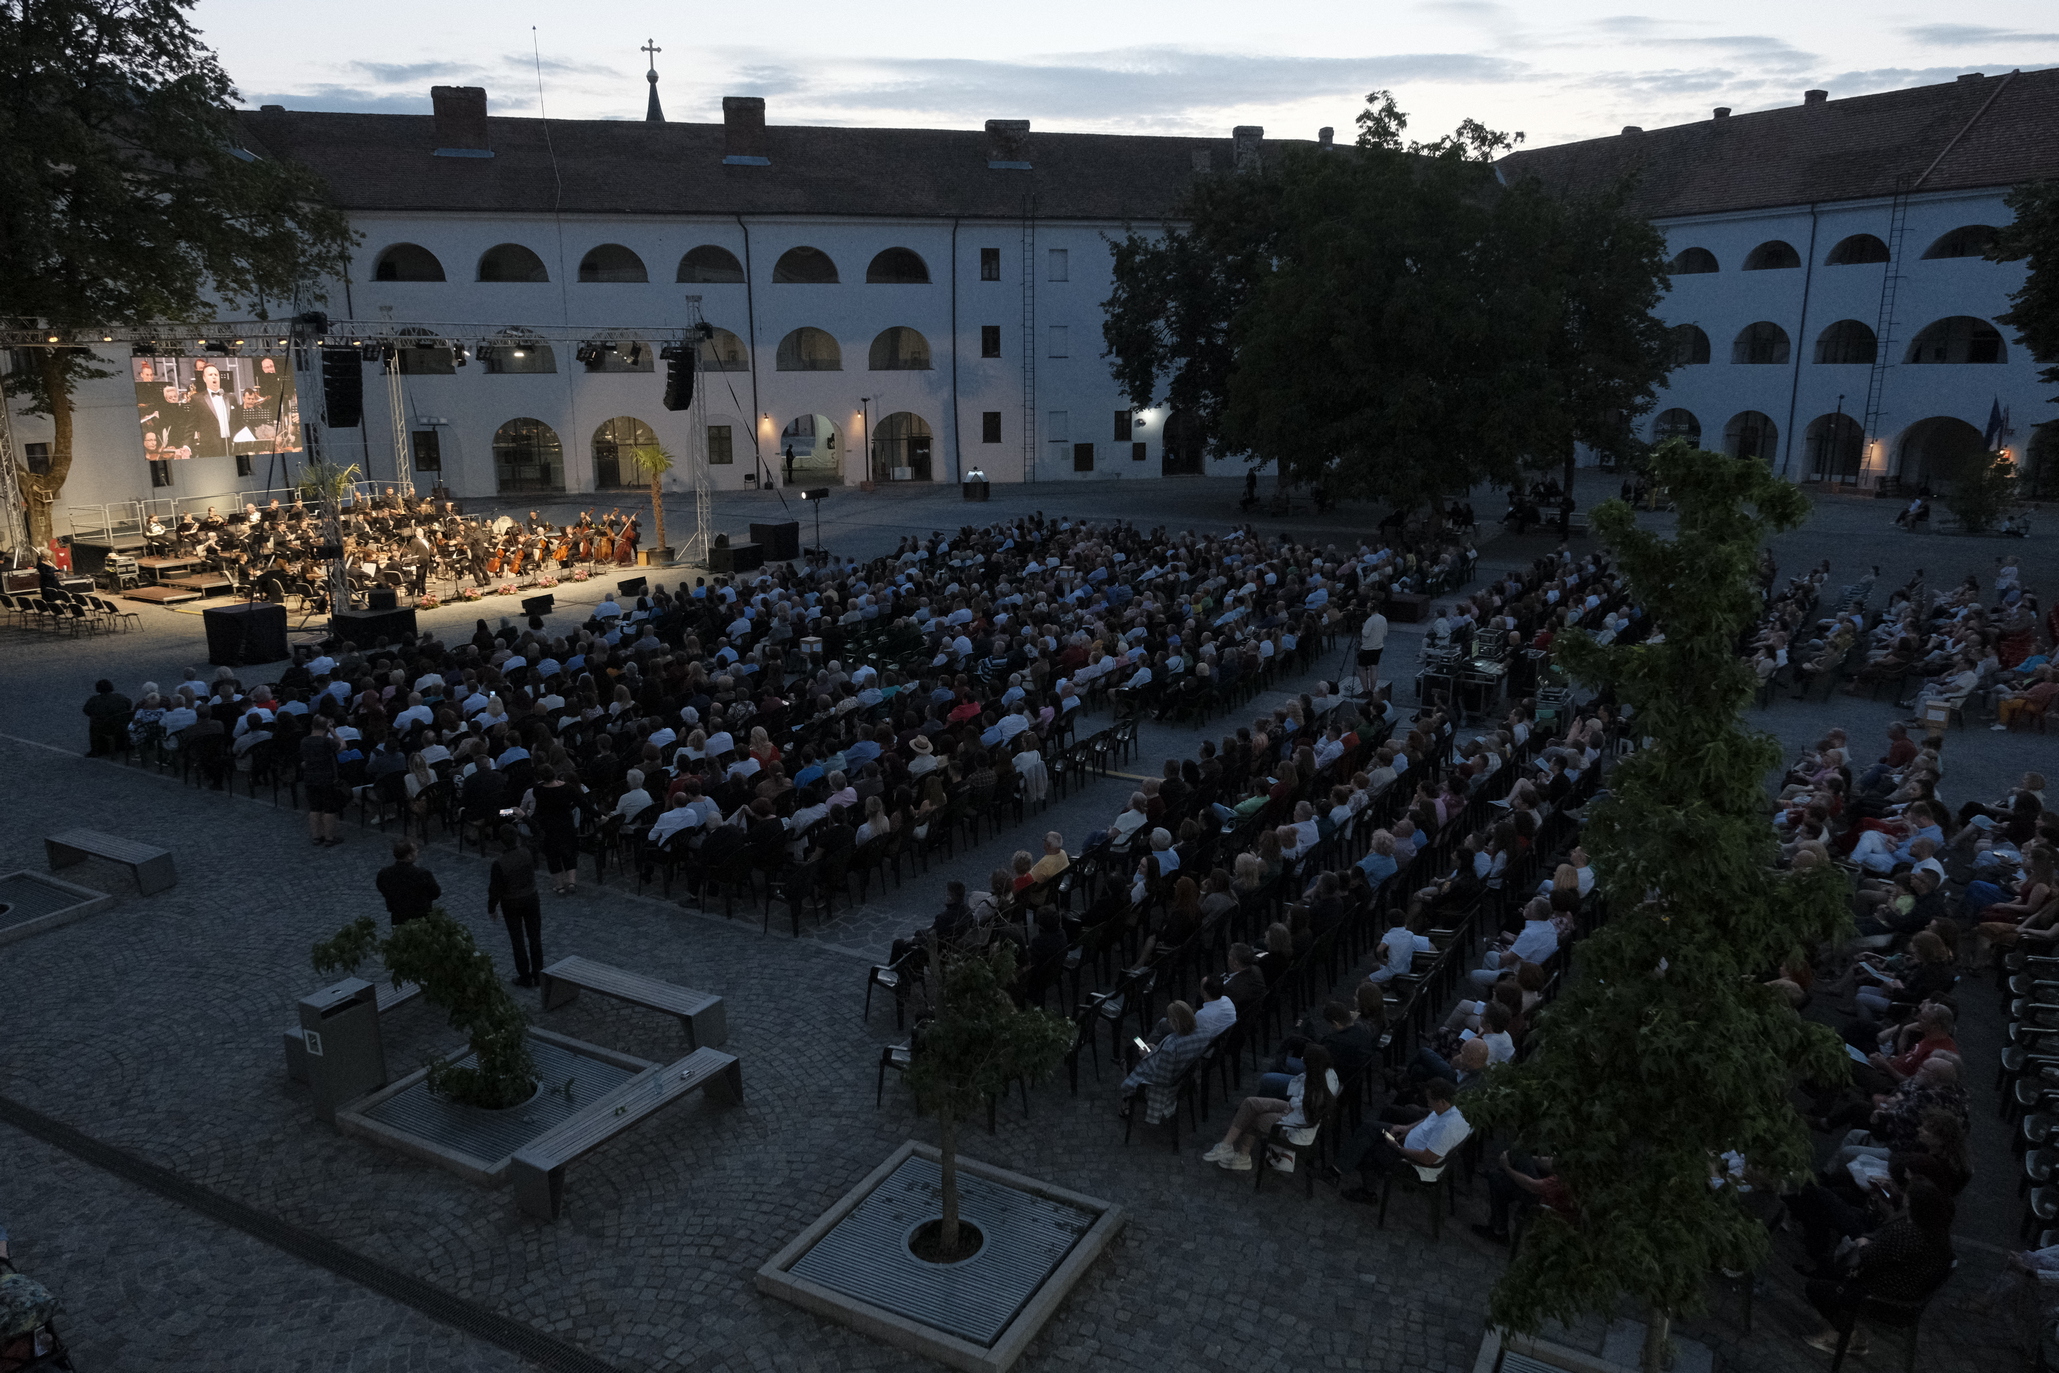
(1970,240)
(1772,256)
(428,356)
(511,262)
(897,267)
(528,457)
(804,267)
(1761,342)
(724,353)
(1848,340)
(408,262)
(1690,345)
(711,266)
(615,446)
(515,353)
(900,349)
(1690,261)
(617,355)
(1750,435)
(901,447)
(1940,448)
(1676,424)
(809,350)
(1960,338)
(1856,251)
(1834,446)
(612,262)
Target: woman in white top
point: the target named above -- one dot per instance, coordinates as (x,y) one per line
(420,775)
(1029,766)
(876,823)
(1309,1098)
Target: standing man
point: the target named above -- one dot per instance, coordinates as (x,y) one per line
(326,797)
(511,894)
(107,714)
(1372,642)
(409,891)
(789,464)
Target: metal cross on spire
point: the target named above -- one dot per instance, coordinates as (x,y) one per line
(653,113)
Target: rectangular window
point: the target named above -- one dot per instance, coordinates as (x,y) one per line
(160,474)
(428,444)
(990,264)
(1083,457)
(1122,426)
(721,452)
(243,464)
(990,426)
(37,455)
(1060,337)
(1057,426)
(1060,265)
(1136,452)
(990,340)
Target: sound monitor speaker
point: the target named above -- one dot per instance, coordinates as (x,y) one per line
(343,387)
(737,557)
(540,605)
(632,586)
(366,627)
(781,541)
(243,635)
(381,598)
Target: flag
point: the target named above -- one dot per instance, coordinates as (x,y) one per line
(1991,437)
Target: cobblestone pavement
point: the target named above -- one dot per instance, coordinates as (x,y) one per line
(154,1026)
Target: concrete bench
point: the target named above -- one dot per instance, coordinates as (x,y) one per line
(700,1013)
(151,866)
(391,998)
(538,1170)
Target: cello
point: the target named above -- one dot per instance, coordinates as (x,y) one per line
(493,561)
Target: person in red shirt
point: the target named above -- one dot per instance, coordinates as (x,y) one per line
(1931,1031)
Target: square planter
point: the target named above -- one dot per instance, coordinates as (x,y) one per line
(31,903)
(476,1144)
(980,1313)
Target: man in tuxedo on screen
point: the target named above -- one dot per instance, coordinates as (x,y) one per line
(214,413)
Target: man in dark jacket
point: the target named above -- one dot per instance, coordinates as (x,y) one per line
(107,714)
(409,890)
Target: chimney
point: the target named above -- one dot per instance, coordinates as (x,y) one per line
(1973,76)
(1722,112)
(1633,128)
(1326,138)
(1008,145)
(1245,139)
(743,131)
(1814,97)
(460,120)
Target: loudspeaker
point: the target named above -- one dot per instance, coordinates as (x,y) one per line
(539,605)
(242,635)
(364,627)
(631,586)
(737,557)
(382,598)
(679,379)
(343,387)
(781,541)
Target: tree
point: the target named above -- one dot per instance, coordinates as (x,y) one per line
(438,954)
(654,461)
(974,1047)
(130,198)
(1667,1049)
(325,485)
(1390,320)
(1983,484)
(2033,237)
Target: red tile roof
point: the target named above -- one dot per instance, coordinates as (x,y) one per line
(1990,131)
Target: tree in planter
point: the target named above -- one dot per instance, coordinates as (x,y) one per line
(438,954)
(654,461)
(1667,1049)
(973,1048)
(131,200)
(325,485)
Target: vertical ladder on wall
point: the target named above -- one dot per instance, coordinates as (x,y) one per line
(1884,325)
(1029,338)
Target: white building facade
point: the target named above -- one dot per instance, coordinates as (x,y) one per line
(1832,309)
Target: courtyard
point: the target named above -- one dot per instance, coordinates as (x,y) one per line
(141,1082)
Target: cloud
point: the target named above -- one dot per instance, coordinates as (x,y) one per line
(415,73)
(1965,35)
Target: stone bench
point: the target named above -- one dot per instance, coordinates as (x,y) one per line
(295,1042)
(700,1013)
(151,866)
(538,1169)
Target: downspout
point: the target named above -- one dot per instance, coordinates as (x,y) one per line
(957,436)
(751,328)
(1800,343)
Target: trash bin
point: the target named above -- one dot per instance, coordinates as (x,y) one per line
(339,1028)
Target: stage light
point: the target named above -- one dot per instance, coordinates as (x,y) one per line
(51,339)
(520,354)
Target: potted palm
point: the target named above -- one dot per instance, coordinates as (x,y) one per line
(654,461)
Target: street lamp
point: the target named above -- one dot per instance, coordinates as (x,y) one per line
(865,444)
